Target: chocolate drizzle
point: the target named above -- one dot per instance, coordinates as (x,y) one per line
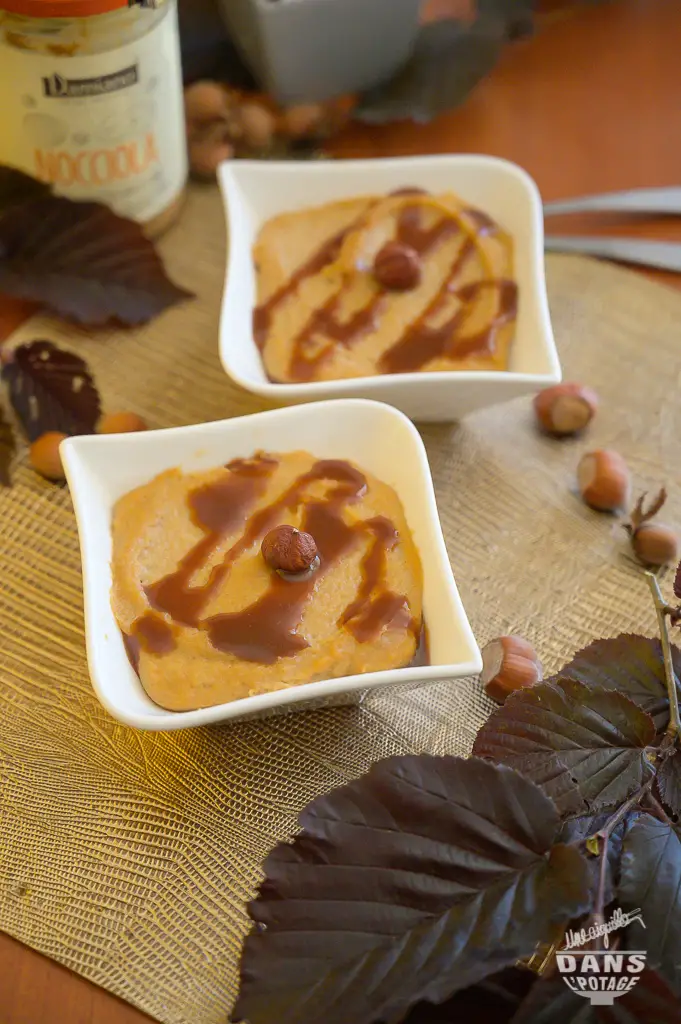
(324,331)
(307,354)
(262,315)
(266,630)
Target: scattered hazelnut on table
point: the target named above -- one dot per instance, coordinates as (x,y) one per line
(303,121)
(258,124)
(205,102)
(604,480)
(397,267)
(44,455)
(206,155)
(654,544)
(120,423)
(565,409)
(509,663)
(290,551)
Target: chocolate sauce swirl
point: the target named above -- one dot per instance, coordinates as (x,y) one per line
(266,630)
(325,330)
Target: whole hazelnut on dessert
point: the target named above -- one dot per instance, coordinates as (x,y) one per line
(565,409)
(509,663)
(204,102)
(604,481)
(120,423)
(397,267)
(290,551)
(44,455)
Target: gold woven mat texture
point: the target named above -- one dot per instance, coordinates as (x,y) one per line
(129,856)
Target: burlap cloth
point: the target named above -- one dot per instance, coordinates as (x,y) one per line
(129,856)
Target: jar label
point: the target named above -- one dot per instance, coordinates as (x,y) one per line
(108,126)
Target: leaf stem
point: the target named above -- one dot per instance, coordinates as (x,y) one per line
(622,812)
(674,726)
(655,808)
(599,908)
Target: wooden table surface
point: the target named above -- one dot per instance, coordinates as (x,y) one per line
(589,104)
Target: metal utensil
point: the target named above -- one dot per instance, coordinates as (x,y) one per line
(636,200)
(662,255)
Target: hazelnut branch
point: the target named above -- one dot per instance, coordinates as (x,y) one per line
(599,908)
(661,611)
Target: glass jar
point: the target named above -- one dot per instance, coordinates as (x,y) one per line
(91,102)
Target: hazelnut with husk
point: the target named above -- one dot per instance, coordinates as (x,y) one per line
(565,409)
(289,551)
(604,480)
(654,544)
(509,663)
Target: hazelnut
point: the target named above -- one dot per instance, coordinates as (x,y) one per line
(509,663)
(120,423)
(302,121)
(205,156)
(289,550)
(397,267)
(655,544)
(603,479)
(205,101)
(44,455)
(258,125)
(565,409)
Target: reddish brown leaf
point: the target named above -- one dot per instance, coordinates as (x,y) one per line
(417,880)
(17,187)
(83,261)
(51,389)
(631,665)
(564,732)
(650,882)
(669,782)
(7,446)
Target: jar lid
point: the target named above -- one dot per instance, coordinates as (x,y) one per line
(70,8)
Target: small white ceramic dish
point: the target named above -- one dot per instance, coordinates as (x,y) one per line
(254,191)
(101,469)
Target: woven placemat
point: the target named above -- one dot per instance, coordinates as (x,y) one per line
(129,856)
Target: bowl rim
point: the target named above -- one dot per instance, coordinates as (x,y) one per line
(229,175)
(165,719)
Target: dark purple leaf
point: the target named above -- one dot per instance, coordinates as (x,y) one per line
(17,187)
(550,1001)
(563,731)
(677,582)
(7,446)
(630,664)
(83,261)
(51,389)
(492,1001)
(669,783)
(650,881)
(421,878)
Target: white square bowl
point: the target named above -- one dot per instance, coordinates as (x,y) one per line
(254,191)
(100,469)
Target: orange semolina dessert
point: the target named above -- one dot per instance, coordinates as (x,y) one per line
(403,283)
(270,572)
